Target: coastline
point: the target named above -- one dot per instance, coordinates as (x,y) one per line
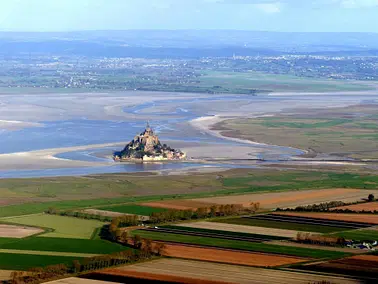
(46,158)
(206,124)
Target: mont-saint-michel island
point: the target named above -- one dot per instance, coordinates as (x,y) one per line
(146,147)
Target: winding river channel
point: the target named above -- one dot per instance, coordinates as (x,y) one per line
(76,120)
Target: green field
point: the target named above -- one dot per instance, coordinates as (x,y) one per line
(241,245)
(63,227)
(133,209)
(26,261)
(342,131)
(359,235)
(187,186)
(64,245)
(226,233)
(281,225)
(6,240)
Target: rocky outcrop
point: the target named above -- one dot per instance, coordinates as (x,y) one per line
(147,147)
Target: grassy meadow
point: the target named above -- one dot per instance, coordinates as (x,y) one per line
(125,197)
(59,226)
(347,132)
(63,245)
(26,261)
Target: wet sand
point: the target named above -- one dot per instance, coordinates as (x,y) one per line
(193,121)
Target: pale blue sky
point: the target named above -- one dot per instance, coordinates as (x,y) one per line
(267,15)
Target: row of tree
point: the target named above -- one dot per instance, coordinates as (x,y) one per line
(78,214)
(146,249)
(165,216)
(203,212)
(309,238)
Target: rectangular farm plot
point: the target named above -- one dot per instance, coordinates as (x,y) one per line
(359,235)
(229,256)
(273,221)
(63,227)
(358,265)
(133,209)
(215,234)
(242,228)
(292,198)
(367,219)
(13,231)
(65,245)
(236,245)
(27,261)
(367,206)
(201,270)
(76,280)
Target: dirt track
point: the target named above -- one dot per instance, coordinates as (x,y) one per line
(242,229)
(13,231)
(362,218)
(292,198)
(229,256)
(227,273)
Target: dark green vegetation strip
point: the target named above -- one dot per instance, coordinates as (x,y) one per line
(281,225)
(301,180)
(226,233)
(240,245)
(7,240)
(234,182)
(26,261)
(359,235)
(133,209)
(64,245)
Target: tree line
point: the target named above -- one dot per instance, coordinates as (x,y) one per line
(144,249)
(330,207)
(171,215)
(78,214)
(315,239)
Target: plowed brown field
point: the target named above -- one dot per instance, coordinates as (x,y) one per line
(75,280)
(5,275)
(359,265)
(362,218)
(292,198)
(13,231)
(159,277)
(368,206)
(184,204)
(229,256)
(228,273)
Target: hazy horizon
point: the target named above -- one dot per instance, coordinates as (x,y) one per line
(248,15)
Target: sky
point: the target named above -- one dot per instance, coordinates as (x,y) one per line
(258,15)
